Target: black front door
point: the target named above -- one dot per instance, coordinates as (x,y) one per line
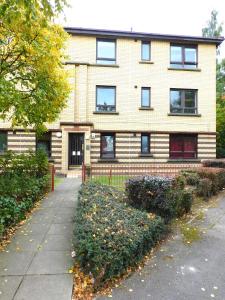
(76,149)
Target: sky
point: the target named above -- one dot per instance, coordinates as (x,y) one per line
(152,16)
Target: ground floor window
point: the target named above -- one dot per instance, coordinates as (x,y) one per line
(145,143)
(183,146)
(44,142)
(107,145)
(3,141)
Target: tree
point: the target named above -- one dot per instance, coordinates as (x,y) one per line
(213,29)
(33,81)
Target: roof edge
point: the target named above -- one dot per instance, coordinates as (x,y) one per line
(142,35)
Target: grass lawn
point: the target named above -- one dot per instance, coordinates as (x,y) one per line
(115,180)
(58,180)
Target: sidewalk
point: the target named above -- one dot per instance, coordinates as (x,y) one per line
(35,264)
(183,272)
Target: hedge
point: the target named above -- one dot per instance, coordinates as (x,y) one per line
(214,163)
(212,181)
(23,179)
(109,235)
(163,196)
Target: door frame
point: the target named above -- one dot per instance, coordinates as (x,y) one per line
(83,151)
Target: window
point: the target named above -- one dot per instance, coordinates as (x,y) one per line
(106,51)
(106,98)
(145,50)
(183,146)
(183,56)
(44,142)
(145,143)
(183,101)
(3,141)
(145,97)
(107,145)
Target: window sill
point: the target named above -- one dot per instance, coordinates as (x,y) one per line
(145,155)
(148,62)
(146,108)
(105,112)
(184,115)
(107,160)
(183,160)
(104,65)
(183,69)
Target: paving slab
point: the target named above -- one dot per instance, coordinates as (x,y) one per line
(29,242)
(9,286)
(15,263)
(57,242)
(36,264)
(45,287)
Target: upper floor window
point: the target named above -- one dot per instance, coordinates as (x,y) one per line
(106,51)
(107,145)
(106,98)
(145,143)
(183,146)
(183,101)
(44,142)
(3,141)
(183,56)
(145,50)
(145,97)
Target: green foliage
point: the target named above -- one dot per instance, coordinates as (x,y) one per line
(109,235)
(204,188)
(23,179)
(160,195)
(213,28)
(191,177)
(212,181)
(33,81)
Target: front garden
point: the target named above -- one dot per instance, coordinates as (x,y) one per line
(23,180)
(115,230)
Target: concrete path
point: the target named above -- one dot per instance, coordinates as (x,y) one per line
(35,264)
(182,272)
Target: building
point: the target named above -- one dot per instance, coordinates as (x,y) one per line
(136,98)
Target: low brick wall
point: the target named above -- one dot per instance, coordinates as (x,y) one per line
(163,169)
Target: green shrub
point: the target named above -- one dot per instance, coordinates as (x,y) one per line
(23,179)
(216,175)
(191,177)
(182,199)
(109,235)
(204,188)
(160,195)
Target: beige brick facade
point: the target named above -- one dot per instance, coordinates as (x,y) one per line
(129,74)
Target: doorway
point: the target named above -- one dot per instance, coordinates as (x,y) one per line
(76,149)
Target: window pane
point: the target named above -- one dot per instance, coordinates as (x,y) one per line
(106,49)
(175,101)
(44,143)
(3,141)
(107,146)
(190,55)
(176,54)
(183,146)
(145,97)
(145,51)
(105,98)
(105,62)
(190,99)
(145,144)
